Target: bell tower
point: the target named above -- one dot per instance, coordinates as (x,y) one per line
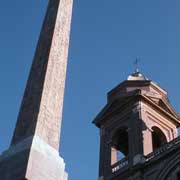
(34,150)
(137,121)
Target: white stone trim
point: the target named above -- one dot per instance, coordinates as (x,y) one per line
(42,147)
(35,143)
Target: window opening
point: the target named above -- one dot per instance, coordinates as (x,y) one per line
(120,145)
(158,138)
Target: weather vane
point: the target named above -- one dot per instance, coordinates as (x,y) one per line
(136,65)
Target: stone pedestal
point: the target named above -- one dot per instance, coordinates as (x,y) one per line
(32,159)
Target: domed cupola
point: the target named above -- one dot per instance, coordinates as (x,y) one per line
(137,76)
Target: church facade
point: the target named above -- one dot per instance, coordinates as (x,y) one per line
(138,133)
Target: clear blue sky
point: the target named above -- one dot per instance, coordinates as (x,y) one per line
(106,38)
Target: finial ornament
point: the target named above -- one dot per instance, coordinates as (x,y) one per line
(136,64)
(137,75)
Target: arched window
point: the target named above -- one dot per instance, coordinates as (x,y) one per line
(120,145)
(158,138)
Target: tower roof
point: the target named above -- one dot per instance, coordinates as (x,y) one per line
(138,87)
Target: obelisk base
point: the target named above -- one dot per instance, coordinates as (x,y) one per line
(32,159)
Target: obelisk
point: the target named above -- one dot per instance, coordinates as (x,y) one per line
(34,150)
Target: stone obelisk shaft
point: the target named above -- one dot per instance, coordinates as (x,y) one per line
(41,108)
(34,150)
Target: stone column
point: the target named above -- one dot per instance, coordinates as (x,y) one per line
(114,157)
(147,139)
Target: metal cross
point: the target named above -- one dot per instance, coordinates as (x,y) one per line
(136,64)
